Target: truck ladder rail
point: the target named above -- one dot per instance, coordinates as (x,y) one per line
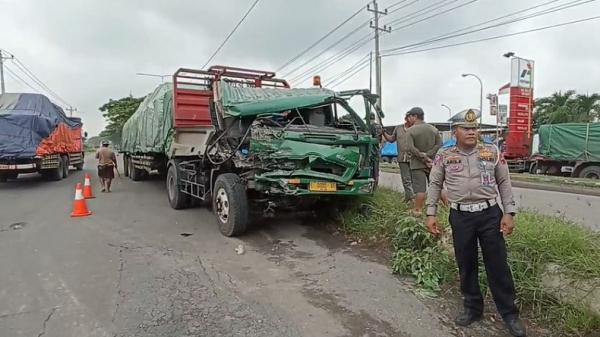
(190,183)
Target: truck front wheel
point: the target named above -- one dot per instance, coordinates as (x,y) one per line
(55,174)
(590,172)
(135,174)
(177,199)
(126,166)
(65,161)
(230,204)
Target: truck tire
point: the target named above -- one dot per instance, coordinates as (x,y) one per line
(177,199)
(65,161)
(590,172)
(533,168)
(134,173)
(79,166)
(126,166)
(54,174)
(230,204)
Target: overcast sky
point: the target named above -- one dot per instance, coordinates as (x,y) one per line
(88,51)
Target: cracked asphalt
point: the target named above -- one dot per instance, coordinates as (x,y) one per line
(127,270)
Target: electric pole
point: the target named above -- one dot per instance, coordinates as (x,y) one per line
(375,25)
(70,109)
(2,58)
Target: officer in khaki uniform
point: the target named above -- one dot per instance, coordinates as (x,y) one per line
(474,173)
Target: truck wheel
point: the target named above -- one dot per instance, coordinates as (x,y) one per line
(533,168)
(79,166)
(134,173)
(590,172)
(126,166)
(230,204)
(65,161)
(55,174)
(177,199)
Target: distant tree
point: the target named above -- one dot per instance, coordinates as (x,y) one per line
(116,113)
(567,107)
(588,107)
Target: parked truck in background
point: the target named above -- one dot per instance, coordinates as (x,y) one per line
(37,136)
(570,149)
(245,141)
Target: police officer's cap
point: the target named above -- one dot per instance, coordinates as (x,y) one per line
(105,142)
(469,121)
(416,111)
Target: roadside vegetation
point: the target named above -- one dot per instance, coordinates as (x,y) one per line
(538,243)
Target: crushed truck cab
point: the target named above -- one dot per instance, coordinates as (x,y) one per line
(246,141)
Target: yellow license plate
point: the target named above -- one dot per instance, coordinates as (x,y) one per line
(321,186)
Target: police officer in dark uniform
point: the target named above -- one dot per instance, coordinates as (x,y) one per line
(474,173)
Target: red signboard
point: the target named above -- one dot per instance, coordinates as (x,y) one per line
(518,140)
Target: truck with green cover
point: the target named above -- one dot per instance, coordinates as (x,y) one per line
(245,141)
(571,149)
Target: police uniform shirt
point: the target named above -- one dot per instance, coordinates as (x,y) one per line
(470,177)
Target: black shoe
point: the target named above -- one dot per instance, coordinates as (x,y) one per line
(467,317)
(515,327)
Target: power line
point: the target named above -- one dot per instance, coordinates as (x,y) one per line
(37,81)
(401,8)
(434,15)
(476,25)
(340,55)
(349,73)
(231,33)
(320,40)
(422,11)
(328,48)
(342,74)
(350,76)
(396,4)
(19,78)
(522,18)
(495,37)
(333,59)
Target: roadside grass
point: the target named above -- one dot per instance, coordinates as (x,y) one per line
(538,241)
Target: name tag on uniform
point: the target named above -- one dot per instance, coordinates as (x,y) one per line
(454,164)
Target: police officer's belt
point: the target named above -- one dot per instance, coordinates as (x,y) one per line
(474,207)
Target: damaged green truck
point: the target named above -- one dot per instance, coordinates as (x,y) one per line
(248,143)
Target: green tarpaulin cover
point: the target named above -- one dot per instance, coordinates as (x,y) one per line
(570,141)
(244,101)
(148,130)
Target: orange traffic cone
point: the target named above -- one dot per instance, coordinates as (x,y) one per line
(79,205)
(87,188)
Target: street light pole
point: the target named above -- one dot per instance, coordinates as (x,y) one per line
(480,96)
(449,116)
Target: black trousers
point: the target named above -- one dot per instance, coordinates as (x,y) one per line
(468,228)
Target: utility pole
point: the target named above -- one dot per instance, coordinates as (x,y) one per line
(2,58)
(375,25)
(70,109)
(371,71)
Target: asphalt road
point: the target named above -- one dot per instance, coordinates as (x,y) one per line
(582,209)
(131,269)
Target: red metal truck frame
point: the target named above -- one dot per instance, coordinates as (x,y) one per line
(192,90)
